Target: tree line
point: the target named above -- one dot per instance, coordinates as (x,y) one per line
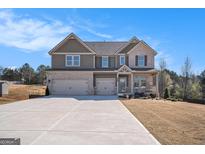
(187,85)
(25,74)
(171,85)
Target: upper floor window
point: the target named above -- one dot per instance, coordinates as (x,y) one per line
(141,60)
(104,61)
(72,60)
(122,60)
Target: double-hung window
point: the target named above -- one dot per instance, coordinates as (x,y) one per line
(122,60)
(104,61)
(141,61)
(72,60)
(139,81)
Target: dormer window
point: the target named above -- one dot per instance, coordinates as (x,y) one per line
(104,61)
(122,60)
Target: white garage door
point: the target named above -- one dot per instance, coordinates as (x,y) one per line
(70,87)
(105,86)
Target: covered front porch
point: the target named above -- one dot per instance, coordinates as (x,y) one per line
(124,83)
(131,82)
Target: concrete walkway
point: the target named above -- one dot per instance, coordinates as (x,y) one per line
(72,120)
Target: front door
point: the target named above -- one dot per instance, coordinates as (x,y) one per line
(122,84)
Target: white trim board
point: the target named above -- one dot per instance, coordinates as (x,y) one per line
(72,53)
(70,36)
(66,65)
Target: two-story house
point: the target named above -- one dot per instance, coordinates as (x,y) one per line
(101,68)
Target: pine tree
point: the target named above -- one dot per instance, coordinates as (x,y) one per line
(166,93)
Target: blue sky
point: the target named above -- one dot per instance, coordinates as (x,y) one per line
(26,35)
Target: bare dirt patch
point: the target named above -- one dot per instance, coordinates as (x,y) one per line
(22,92)
(170,122)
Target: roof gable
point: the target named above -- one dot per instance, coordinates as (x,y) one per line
(75,41)
(106,48)
(126,48)
(74,44)
(145,44)
(124,68)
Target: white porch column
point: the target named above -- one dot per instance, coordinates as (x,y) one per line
(117,82)
(157,85)
(94,61)
(132,83)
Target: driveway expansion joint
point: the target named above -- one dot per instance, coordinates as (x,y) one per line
(72,120)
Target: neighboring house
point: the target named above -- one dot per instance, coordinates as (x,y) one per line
(101,68)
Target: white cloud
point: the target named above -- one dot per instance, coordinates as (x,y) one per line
(98,34)
(30,34)
(88,26)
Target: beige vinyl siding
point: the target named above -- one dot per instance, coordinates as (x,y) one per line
(58,61)
(73,45)
(141,49)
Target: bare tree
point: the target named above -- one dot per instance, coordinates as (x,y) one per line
(27,73)
(41,73)
(162,65)
(186,74)
(202,82)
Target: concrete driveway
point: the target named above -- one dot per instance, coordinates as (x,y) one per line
(72,120)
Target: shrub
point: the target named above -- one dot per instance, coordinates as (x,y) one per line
(153,95)
(198,101)
(166,93)
(173,99)
(47,91)
(179,99)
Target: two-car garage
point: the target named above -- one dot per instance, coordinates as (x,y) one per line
(75,83)
(70,87)
(70,82)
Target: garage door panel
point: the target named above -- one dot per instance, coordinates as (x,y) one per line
(70,87)
(105,86)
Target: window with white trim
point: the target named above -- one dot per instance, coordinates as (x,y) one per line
(104,61)
(122,60)
(141,60)
(72,60)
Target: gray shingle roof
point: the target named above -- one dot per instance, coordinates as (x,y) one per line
(105,48)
